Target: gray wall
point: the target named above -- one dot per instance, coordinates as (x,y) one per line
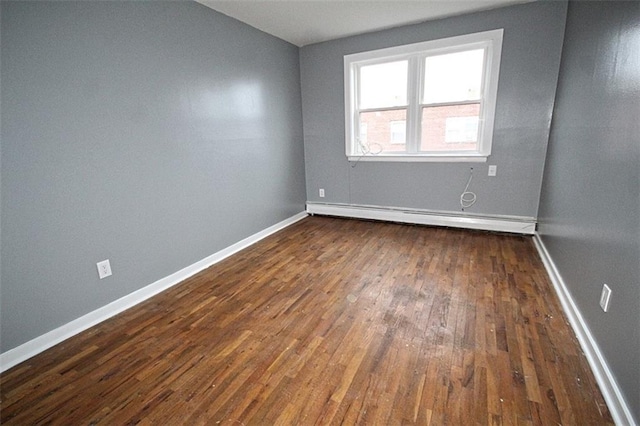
(590,202)
(150,133)
(528,76)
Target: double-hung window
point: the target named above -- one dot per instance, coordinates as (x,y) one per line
(431,101)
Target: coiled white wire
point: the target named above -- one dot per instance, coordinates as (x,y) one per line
(467,198)
(366,150)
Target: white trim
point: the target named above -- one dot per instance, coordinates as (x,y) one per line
(611,392)
(437,46)
(41,343)
(515,224)
(431,158)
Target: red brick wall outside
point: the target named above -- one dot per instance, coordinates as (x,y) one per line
(434,121)
(378,128)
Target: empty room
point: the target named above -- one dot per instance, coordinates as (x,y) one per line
(320,212)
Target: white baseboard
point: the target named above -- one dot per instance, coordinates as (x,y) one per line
(515,224)
(39,344)
(611,392)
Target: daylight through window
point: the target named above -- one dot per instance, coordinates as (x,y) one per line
(431,101)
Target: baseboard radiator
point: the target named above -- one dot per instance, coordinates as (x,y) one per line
(512,224)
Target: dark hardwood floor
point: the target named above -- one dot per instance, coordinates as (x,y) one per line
(329,321)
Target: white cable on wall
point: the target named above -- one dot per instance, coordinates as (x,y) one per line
(366,150)
(467,198)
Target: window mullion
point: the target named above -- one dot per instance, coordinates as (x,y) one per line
(413,110)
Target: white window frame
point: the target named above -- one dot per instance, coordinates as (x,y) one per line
(403,123)
(490,41)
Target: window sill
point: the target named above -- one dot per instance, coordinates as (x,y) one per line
(420,158)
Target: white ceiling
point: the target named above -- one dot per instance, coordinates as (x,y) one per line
(303,22)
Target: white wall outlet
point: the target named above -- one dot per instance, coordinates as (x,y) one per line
(605,297)
(493,170)
(321,192)
(104,269)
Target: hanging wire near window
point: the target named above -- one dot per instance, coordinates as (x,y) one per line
(366,150)
(467,198)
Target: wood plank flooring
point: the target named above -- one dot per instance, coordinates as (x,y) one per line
(330,321)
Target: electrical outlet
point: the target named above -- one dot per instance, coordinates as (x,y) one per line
(493,170)
(104,269)
(605,297)
(321,192)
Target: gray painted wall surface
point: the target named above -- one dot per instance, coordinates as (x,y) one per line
(152,134)
(590,202)
(530,62)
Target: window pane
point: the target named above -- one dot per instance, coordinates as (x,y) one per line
(364,130)
(398,131)
(453,77)
(450,128)
(383,85)
(383,131)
